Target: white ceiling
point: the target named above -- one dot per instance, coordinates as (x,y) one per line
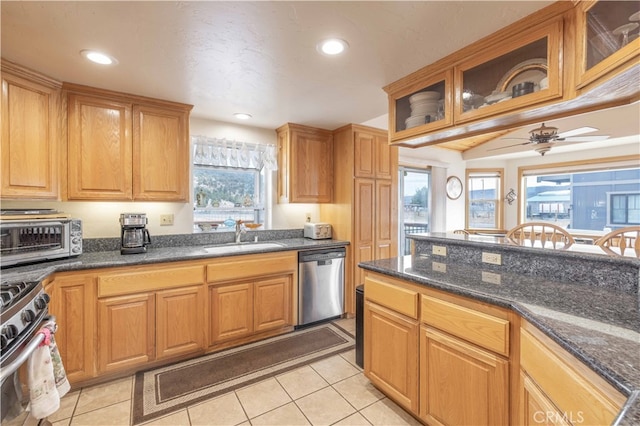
(253,57)
(260,57)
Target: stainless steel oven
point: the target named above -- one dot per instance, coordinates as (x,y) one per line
(30,237)
(23,308)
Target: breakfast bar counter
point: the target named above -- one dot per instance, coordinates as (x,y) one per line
(595,319)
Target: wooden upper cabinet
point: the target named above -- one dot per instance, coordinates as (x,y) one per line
(562,60)
(125,147)
(100,148)
(31,127)
(160,154)
(305,164)
(603,49)
(373,156)
(421,105)
(518,73)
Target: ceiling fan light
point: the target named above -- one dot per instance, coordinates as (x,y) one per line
(543,149)
(544,132)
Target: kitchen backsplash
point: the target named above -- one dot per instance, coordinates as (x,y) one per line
(90,245)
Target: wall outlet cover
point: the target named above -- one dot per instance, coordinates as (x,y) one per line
(439,250)
(492,258)
(166,219)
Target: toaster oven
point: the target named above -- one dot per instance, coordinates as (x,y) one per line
(28,240)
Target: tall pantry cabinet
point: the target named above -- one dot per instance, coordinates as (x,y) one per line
(365,205)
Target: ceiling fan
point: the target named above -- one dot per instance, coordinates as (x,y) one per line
(545,137)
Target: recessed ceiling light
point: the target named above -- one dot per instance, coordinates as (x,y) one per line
(242,116)
(332,46)
(98,57)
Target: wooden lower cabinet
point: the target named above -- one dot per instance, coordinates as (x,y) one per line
(536,407)
(179,320)
(243,309)
(73,304)
(231,311)
(391,357)
(126,331)
(556,388)
(460,383)
(272,303)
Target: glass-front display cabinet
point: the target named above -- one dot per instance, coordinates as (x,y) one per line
(608,33)
(421,107)
(517,73)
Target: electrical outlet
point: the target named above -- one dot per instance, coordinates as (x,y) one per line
(308,217)
(439,267)
(492,258)
(439,250)
(491,278)
(166,219)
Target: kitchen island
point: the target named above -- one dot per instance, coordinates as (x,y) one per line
(584,308)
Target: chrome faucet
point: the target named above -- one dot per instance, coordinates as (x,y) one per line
(240,229)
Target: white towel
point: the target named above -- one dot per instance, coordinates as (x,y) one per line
(46,376)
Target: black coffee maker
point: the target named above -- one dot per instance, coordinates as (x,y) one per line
(134,236)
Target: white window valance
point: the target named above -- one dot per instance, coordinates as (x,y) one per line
(222,152)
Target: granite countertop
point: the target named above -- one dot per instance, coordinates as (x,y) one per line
(599,326)
(113,258)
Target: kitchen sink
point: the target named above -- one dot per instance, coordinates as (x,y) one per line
(242,247)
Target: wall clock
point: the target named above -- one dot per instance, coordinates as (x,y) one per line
(454,187)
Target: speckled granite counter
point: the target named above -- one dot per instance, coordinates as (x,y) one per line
(113,258)
(600,326)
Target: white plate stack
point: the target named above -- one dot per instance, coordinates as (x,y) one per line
(422,104)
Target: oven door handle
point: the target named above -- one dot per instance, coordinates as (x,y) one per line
(14,365)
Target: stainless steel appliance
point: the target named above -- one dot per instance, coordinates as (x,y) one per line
(134,236)
(320,285)
(29,236)
(317,231)
(23,308)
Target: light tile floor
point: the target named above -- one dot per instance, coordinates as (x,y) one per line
(333,391)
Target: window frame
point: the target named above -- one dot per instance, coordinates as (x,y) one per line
(570,167)
(499,210)
(610,209)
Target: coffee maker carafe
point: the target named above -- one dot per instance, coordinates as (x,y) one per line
(134,236)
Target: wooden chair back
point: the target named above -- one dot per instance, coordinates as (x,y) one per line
(540,234)
(621,241)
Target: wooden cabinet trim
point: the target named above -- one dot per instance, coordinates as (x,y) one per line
(149,279)
(569,384)
(386,294)
(487,331)
(243,267)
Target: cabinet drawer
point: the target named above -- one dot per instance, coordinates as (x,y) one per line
(140,281)
(484,330)
(393,297)
(253,265)
(573,388)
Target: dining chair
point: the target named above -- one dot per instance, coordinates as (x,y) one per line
(621,241)
(540,234)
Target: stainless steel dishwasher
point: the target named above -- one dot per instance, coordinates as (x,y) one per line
(320,285)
